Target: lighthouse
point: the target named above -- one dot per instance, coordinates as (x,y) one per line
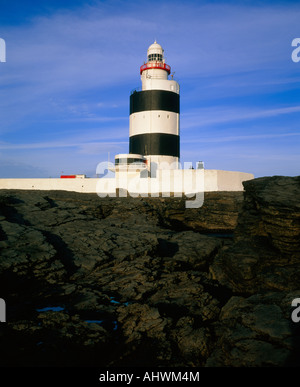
(154,113)
(154,136)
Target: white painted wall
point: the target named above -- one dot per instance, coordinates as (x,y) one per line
(77,185)
(176,181)
(151,81)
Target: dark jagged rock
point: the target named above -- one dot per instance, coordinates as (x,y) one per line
(145,281)
(256,331)
(265,254)
(218,214)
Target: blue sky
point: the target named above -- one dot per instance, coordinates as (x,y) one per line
(70,67)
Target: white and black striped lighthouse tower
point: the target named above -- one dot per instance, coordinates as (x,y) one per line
(154,113)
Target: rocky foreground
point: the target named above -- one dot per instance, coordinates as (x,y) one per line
(146,282)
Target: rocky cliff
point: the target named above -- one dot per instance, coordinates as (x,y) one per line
(146,282)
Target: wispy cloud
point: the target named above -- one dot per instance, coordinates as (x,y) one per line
(48,145)
(218,115)
(223,139)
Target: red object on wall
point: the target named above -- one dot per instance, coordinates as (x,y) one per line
(68,176)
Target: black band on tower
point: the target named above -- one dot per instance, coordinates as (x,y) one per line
(154,100)
(154,144)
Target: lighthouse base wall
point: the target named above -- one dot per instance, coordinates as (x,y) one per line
(166,183)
